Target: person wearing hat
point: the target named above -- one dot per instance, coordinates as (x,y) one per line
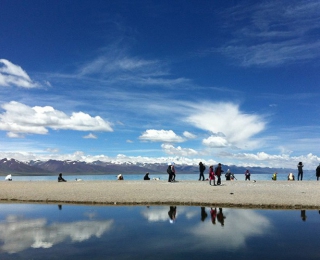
(318,172)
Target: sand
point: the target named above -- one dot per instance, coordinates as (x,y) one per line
(244,194)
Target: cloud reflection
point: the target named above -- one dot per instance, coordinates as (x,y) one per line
(239,225)
(18,234)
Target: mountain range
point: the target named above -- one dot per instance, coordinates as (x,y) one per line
(67,167)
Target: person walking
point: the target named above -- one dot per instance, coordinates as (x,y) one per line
(300,170)
(318,172)
(218,171)
(201,170)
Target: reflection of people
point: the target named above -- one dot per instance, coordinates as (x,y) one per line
(203,214)
(120,177)
(218,171)
(201,170)
(172,213)
(213,213)
(60,207)
(303,215)
(318,172)
(274,176)
(300,171)
(220,217)
(60,178)
(247,174)
(290,177)
(146,177)
(211,176)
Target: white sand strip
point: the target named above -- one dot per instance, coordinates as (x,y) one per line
(260,194)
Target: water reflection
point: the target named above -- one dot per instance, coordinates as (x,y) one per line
(155,232)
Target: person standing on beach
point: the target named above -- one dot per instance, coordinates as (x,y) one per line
(173,170)
(201,170)
(300,170)
(211,176)
(218,171)
(318,172)
(247,174)
(169,171)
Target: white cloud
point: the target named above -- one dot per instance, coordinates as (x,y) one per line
(22,119)
(90,136)
(167,136)
(189,135)
(215,142)
(178,151)
(14,75)
(228,125)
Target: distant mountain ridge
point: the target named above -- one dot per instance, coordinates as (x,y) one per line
(68,167)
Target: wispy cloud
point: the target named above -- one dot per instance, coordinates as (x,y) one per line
(14,75)
(272,33)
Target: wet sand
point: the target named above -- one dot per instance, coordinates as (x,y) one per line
(244,194)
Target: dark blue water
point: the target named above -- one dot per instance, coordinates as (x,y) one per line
(29,231)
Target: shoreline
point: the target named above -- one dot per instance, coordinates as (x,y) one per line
(231,194)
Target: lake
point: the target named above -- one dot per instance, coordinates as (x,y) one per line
(309,176)
(37,231)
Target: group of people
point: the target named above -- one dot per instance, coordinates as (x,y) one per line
(216,173)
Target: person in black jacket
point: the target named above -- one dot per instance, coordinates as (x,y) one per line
(218,171)
(60,178)
(201,170)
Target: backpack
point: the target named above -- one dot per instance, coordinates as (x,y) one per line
(169,171)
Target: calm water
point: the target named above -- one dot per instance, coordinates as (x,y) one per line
(29,231)
(306,177)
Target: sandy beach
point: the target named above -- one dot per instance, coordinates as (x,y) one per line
(244,194)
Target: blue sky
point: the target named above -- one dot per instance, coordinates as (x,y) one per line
(235,82)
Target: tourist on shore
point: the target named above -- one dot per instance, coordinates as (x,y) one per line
(218,171)
(318,172)
(146,177)
(212,178)
(247,175)
(120,177)
(201,170)
(228,175)
(300,170)
(290,176)
(170,173)
(274,176)
(173,172)
(60,178)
